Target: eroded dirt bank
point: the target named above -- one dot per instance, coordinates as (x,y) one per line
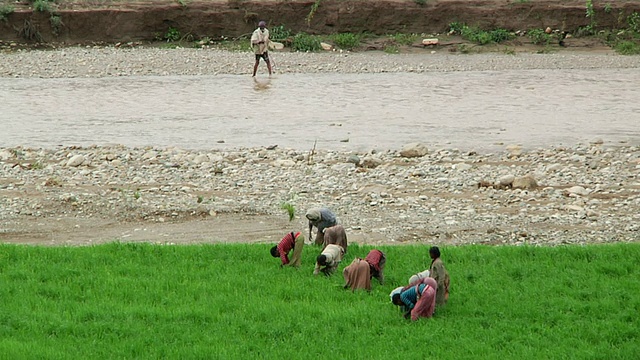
(115,21)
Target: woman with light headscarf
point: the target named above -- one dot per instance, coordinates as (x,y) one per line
(321,218)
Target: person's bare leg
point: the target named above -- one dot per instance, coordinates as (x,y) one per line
(255,67)
(269,66)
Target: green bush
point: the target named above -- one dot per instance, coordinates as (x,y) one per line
(539,37)
(405,39)
(500,35)
(42,6)
(172,34)
(5,11)
(481,37)
(346,41)
(279,33)
(305,42)
(634,22)
(627,47)
(456,27)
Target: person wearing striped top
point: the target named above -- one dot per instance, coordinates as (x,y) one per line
(376,260)
(291,241)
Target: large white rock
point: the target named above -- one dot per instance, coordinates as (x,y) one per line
(462,166)
(202,158)
(506,180)
(76,160)
(284,163)
(578,190)
(430,41)
(414,150)
(526,182)
(371,162)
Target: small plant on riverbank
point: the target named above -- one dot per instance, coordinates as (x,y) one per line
(591,15)
(420,2)
(172,34)
(312,11)
(391,49)
(5,11)
(404,39)
(56,24)
(305,42)
(633,21)
(346,41)
(479,36)
(627,47)
(41,6)
(539,37)
(279,33)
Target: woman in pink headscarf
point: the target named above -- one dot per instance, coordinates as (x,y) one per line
(418,299)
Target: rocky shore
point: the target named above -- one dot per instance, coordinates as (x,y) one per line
(585,194)
(113,61)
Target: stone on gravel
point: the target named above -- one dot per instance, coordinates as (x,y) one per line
(414,150)
(506,180)
(76,160)
(527,182)
(578,190)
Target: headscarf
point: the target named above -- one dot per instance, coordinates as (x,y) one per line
(314,215)
(397,290)
(262,24)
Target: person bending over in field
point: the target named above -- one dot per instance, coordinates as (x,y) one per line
(329,259)
(417,300)
(440,275)
(321,219)
(419,276)
(260,45)
(291,241)
(335,235)
(359,273)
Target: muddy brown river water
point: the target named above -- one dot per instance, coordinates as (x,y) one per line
(469,110)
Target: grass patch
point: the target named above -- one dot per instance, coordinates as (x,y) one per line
(152,301)
(480,36)
(391,49)
(627,47)
(305,42)
(404,39)
(42,6)
(346,41)
(539,37)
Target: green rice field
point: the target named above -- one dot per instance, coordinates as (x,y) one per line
(233,301)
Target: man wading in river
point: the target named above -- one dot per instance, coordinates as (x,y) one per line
(260,44)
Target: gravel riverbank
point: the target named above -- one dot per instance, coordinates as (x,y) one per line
(586,194)
(111,61)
